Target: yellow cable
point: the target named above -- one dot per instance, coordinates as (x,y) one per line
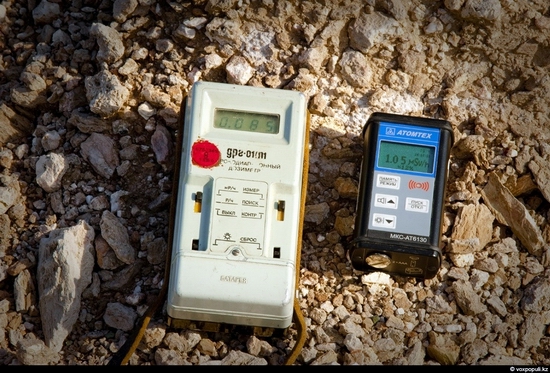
(298,316)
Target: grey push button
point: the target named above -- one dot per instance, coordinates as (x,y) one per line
(384,221)
(388,181)
(417,205)
(386,201)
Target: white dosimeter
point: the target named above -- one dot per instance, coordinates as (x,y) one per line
(401,195)
(239,208)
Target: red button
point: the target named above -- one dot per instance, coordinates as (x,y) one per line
(205,154)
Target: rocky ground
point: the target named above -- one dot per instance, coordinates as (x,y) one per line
(90,94)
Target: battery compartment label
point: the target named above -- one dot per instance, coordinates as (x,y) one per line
(238,216)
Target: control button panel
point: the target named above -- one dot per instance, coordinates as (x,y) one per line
(401,203)
(239,215)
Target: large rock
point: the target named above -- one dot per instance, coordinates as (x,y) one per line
(511,212)
(9,192)
(65,265)
(50,169)
(100,151)
(13,126)
(111,46)
(116,235)
(106,93)
(473,229)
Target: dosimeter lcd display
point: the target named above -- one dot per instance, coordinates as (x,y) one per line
(402,156)
(246,121)
(401,195)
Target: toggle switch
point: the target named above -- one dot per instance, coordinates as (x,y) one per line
(198,202)
(280,210)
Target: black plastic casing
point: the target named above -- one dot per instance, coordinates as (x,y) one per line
(426,256)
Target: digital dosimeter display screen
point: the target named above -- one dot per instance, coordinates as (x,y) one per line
(246,121)
(407,157)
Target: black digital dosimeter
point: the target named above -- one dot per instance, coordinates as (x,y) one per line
(401,195)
